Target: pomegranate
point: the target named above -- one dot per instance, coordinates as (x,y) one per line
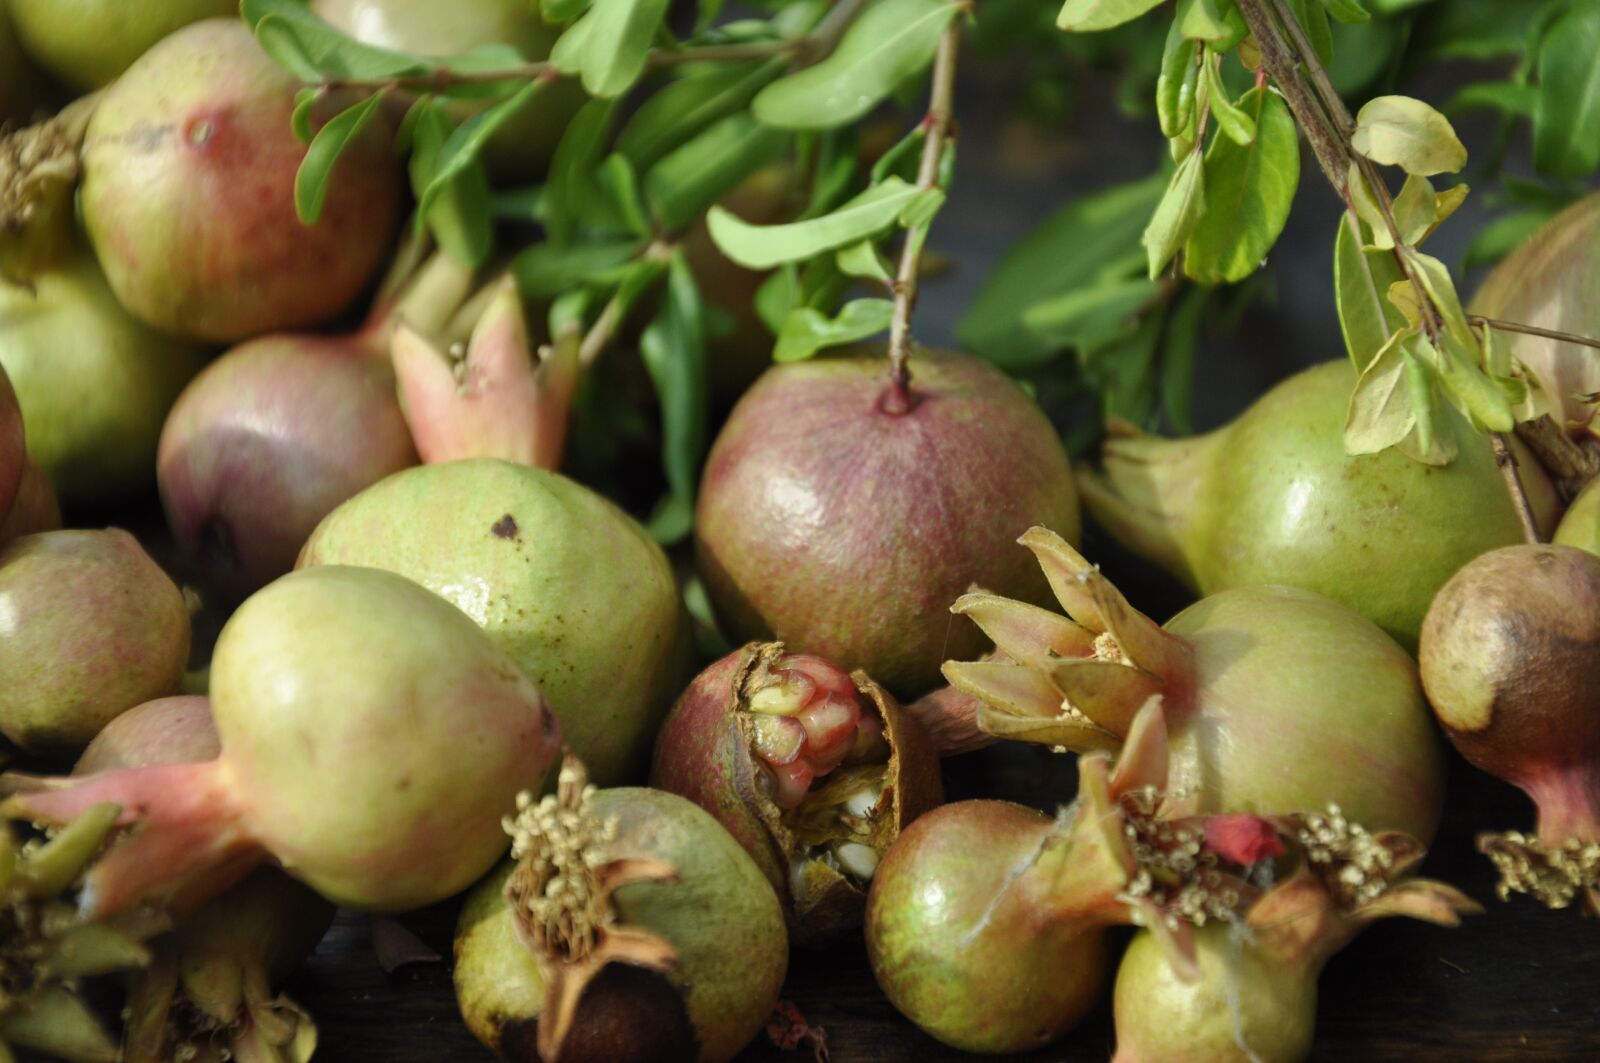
(1274,499)
(573,589)
(35,508)
(92,628)
(93,383)
(209,984)
(977,899)
(629,927)
(22,89)
(814,771)
(1278,700)
(188,193)
(281,429)
(1511,662)
(47,949)
(1549,281)
(1255,1000)
(1580,526)
(87,43)
(13,445)
(837,522)
(347,701)
(520,150)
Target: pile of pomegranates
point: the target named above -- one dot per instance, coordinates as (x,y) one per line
(307,604)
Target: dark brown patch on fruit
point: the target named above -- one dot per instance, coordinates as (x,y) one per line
(505,527)
(627,1014)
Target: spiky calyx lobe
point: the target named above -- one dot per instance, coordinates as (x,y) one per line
(44,947)
(632,927)
(1273,498)
(1317,704)
(195,224)
(976,898)
(815,772)
(1511,663)
(99,628)
(1255,997)
(839,528)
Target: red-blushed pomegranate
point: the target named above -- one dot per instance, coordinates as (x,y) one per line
(840,517)
(209,984)
(188,193)
(1255,999)
(87,43)
(35,508)
(347,701)
(276,433)
(629,927)
(89,627)
(1278,700)
(1511,662)
(13,445)
(814,771)
(986,924)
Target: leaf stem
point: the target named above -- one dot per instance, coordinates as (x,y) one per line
(1507,461)
(937,124)
(1533,330)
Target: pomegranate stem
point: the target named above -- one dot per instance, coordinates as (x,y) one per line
(1507,461)
(937,128)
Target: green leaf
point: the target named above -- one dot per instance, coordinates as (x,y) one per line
(1064,252)
(1388,409)
(691,104)
(698,173)
(806,331)
(1082,16)
(891,41)
(778,294)
(1177,360)
(1468,387)
(1248,192)
(864,260)
(1504,97)
(765,246)
(1313,18)
(314,50)
(458,212)
(311,180)
(1361,284)
(570,194)
(545,269)
(1566,119)
(1405,132)
(1089,317)
(1435,277)
(608,46)
(1120,369)
(901,160)
(673,348)
(1204,20)
(1180,210)
(838,158)
(305,101)
(621,186)
(1349,12)
(466,142)
(1496,240)
(1232,119)
(1175,84)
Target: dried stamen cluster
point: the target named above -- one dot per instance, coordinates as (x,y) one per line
(1356,867)
(1554,876)
(1177,872)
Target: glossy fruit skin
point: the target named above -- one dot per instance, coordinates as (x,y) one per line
(196,226)
(846,531)
(175,730)
(521,150)
(939,904)
(95,627)
(87,43)
(1242,996)
(1580,525)
(13,445)
(267,441)
(573,589)
(1273,498)
(94,384)
(1549,282)
(720,915)
(1345,722)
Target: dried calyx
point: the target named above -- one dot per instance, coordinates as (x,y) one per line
(39,169)
(560,893)
(45,948)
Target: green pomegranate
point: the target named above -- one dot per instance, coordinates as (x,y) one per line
(573,589)
(189,167)
(94,384)
(21,86)
(1273,498)
(521,150)
(1580,526)
(1550,281)
(91,627)
(631,927)
(87,43)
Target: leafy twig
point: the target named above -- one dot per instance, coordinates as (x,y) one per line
(1533,330)
(937,131)
(1507,461)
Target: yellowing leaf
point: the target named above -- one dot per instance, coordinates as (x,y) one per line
(1080,16)
(1405,132)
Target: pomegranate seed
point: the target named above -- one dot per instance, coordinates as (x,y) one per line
(785,698)
(777,739)
(830,730)
(870,747)
(790,783)
(827,677)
